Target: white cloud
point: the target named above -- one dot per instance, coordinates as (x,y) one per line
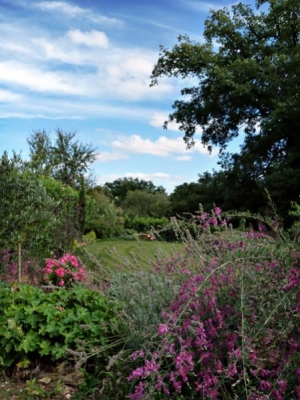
(128,71)
(35,79)
(134,65)
(72,11)
(202,6)
(60,6)
(112,73)
(149,176)
(162,147)
(70,108)
(91,39)
(106,156)
(45,61)
(9,96)
(184,158)
(158,118)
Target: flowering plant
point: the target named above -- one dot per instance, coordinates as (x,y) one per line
(231,332)
(64,271)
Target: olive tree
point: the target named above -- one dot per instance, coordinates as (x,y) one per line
(25,209)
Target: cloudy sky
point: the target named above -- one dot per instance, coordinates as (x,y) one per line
(84,66)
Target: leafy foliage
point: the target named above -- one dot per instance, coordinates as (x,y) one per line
(141,296)
(39,324)
(103,217)
(65,224)
(140,203)
(248,82)
(143,224)
(120,187)
(65,159)
(26,209)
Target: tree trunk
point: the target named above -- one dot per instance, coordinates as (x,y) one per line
(20,262)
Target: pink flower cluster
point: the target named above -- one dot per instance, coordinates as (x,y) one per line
(204,348)
(254,235)
(65,271)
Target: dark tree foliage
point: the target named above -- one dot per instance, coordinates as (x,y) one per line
(248,73)
(210,190)
(120,187)
(146,204)
(185,198)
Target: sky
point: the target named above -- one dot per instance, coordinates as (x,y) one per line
(84,66)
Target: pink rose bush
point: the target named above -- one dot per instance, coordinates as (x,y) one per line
(64,272)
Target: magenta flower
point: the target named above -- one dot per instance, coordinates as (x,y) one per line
(218,210)
(60,272)
(162,328)
(65,271)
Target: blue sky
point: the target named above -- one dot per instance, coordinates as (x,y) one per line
(84,66)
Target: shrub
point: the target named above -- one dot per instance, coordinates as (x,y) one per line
(145,224)
(36,324)
(233,330)
(90,237)
(141,297)
(65,271)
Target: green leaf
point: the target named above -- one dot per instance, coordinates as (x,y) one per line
(30,342)
(45,347)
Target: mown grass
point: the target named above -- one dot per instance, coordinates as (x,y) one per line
(125,255)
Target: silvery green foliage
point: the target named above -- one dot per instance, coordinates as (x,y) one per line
(142,296)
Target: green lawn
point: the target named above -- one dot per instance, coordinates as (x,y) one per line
(125,255)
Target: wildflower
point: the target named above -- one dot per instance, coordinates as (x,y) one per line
(282,385)
(265,385)
(177,386)
(150,366)
(213,221)
(218,210)
(139,392)
(219,367)
(232,371)
(135,374)
(137,354)
(162,328)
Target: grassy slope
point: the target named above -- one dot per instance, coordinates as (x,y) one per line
(116,255)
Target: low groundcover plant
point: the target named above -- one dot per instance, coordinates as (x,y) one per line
(64,271)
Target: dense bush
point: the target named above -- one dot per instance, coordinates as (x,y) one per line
(36,324)
(233,330)
(104,218)
(141,297)
(145,224)
(65,226)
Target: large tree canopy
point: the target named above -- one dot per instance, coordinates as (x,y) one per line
(247,72)
(120,187)
(248,79)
